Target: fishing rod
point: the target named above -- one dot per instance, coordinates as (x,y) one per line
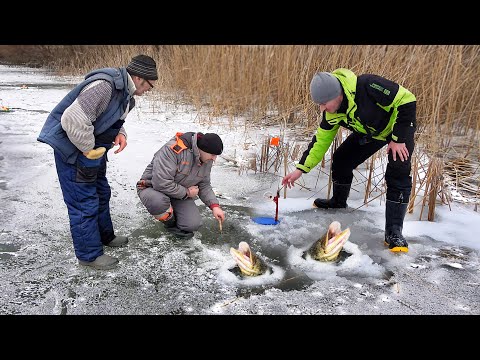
(275,198)
(269,220)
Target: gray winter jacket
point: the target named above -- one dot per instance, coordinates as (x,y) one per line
(172,173)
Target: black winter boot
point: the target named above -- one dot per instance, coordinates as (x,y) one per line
(180,233)
(394,215)
(170,221)
(170,225)
(338,200)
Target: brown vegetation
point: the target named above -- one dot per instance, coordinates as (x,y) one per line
(269,85)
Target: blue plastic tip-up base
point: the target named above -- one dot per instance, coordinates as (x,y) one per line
(266,221)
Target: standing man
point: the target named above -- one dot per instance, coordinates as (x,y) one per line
(178,172)
(81,129)
(378,112)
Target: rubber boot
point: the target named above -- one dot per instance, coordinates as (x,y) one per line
(338,200)
(170,221)
(178,232)
(167,218)
(171,226)
(394,216)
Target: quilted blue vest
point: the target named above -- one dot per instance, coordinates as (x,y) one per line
(52,132)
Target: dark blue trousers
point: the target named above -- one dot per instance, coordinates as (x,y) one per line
(86,193)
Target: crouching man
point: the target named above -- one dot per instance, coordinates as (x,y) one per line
(178,173)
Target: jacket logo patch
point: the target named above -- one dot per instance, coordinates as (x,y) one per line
(380,88)
(184,163)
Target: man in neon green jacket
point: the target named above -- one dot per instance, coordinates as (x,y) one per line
(379,112)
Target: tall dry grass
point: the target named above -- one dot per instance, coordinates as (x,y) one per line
(270,84)
(258,81)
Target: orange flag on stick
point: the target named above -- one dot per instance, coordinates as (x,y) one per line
(274,141)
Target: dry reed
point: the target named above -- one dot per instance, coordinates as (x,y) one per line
(269,85)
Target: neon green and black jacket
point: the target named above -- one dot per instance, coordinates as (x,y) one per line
(372,106)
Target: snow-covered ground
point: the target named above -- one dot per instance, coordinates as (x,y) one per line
(159,274)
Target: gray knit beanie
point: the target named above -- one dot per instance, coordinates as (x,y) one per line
(144,67)
(324,87)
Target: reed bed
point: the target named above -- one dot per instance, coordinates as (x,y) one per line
(269,85)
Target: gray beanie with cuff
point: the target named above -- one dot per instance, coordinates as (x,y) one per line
(144,67)
(324,87)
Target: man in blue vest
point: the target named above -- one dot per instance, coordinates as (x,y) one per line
(379,112)
(81,129)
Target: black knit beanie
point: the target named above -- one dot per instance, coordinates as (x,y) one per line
(144,67)
(210,143)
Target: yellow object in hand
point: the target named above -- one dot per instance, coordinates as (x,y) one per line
(95,154)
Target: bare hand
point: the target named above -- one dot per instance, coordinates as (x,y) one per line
(398,148)
(218,213)
(192,191)
(290,179)
(120,140)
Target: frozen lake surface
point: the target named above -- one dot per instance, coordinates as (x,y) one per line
(159,274)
